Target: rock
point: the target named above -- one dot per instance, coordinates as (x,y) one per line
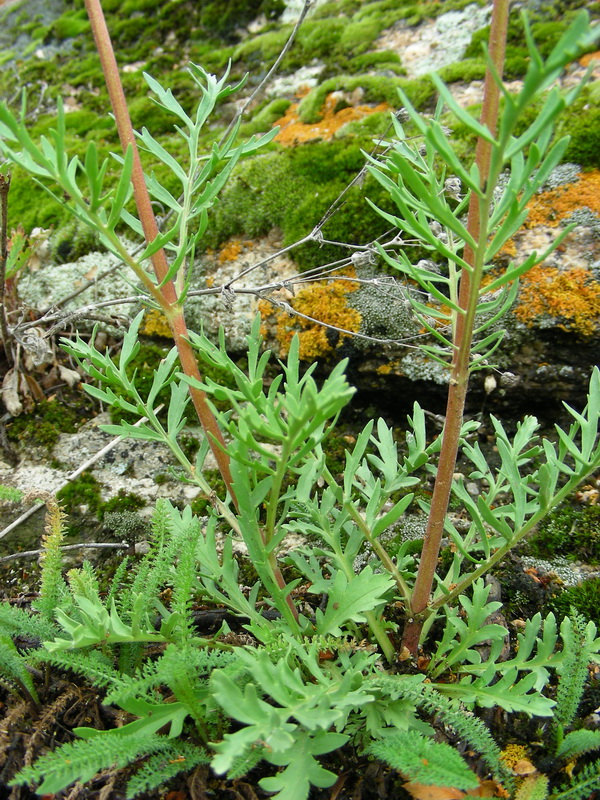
(435,43)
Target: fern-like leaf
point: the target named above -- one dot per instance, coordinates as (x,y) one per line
(587,781)
(82,759)
(464,723)
(185,580)
(578,742)
(421,759)
(246,761)
(116,585)
(178,757)
(574,673)
(13,671)
(534,787)
(92,664)
(52,585)
(15,620)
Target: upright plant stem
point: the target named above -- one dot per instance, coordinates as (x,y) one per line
(170,305)
(4,188)
(462,338)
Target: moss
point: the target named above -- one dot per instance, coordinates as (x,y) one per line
(380,60)
(582,123)
(334,8)
(189,444)
(355,223)
(584,598)
(73,241)
(572,531)
(470,69)
(292,190)
(84,490)
(210,54)
(373,125)
(266,117)
(121,503)
(420,91)
(225,17)
(546,32)
(264,47)
(379,8)
(84,71)
(376,88)
(138,6)
(335,447)
(319,38)
(358,36)
(145,113)
(70,25)
(42,427)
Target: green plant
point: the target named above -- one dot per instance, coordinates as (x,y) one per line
(322,679)
(569,531)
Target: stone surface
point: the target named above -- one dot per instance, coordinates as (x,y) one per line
(435,43)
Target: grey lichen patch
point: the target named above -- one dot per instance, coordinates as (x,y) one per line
(583,217)
(560,176)
(418,367)
(51,284)
(234,313)
(437,43)
(567,572)
(385,309)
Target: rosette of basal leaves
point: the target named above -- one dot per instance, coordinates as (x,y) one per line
(294,708)
(472,647)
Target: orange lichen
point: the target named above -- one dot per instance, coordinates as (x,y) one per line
(393,368)
(549,208)
(325,302)
(155,324)
(587,59)
(294,131)
(508,250)
(513,753)
(232,249)
(570,296)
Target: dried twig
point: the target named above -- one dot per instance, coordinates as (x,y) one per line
(4,188)
(82,546)
(271,72)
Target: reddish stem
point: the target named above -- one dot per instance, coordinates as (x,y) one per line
(4,189)
(168,294)
(463,336)
(170,305)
